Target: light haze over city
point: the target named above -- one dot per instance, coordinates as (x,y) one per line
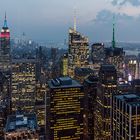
(49,20)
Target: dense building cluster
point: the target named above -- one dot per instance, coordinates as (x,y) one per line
(83,93)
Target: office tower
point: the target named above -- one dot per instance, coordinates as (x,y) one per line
(64,65)
(5,55)
(115,56)
(126,117)
(90,90)
(106,90)
(82,73)
(21,127)
(97,55)
(23,84)
(40,104)
(5,96)
(131,67)
(78,50)
(66,109)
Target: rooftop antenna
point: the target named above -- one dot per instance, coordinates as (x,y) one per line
(75,19)
(5,21)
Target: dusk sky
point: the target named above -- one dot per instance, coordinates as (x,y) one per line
(49,20)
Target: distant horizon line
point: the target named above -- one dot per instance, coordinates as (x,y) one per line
(63,42)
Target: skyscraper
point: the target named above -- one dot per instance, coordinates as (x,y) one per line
(78,50)
(5,76)
(64,65)
(98,53)
(126,117)
(23,85)
(66,109)
(106,90)
(131,67)
(90,89)
(5,96)
(115,56)
(40,104)
(5,56)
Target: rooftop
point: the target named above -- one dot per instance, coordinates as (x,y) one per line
(130,98)
(97,44)
(91,79)
(76,36)
(63,82)
(19,122)
(114,51)
(107,68)
(83,71)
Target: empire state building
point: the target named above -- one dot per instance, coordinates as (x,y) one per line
(5,55)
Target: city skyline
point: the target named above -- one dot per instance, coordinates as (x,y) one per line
(88,89)
(49,21)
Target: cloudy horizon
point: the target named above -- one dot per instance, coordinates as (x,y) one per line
(49,21)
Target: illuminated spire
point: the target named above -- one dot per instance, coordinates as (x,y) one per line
(5,22)
(75,20)
(113,38)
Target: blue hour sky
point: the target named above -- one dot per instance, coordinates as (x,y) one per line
(49,20)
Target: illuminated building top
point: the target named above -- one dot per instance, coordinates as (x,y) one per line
(5,23)
(5,32)
(5,52)
(76,37)
(78,51)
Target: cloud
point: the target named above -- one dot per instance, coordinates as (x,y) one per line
(126,28)
(106,16)
(127,7)
(123,2)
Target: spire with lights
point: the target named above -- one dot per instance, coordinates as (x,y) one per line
(5,22)
(75,20)
(5,58)
(5,32)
